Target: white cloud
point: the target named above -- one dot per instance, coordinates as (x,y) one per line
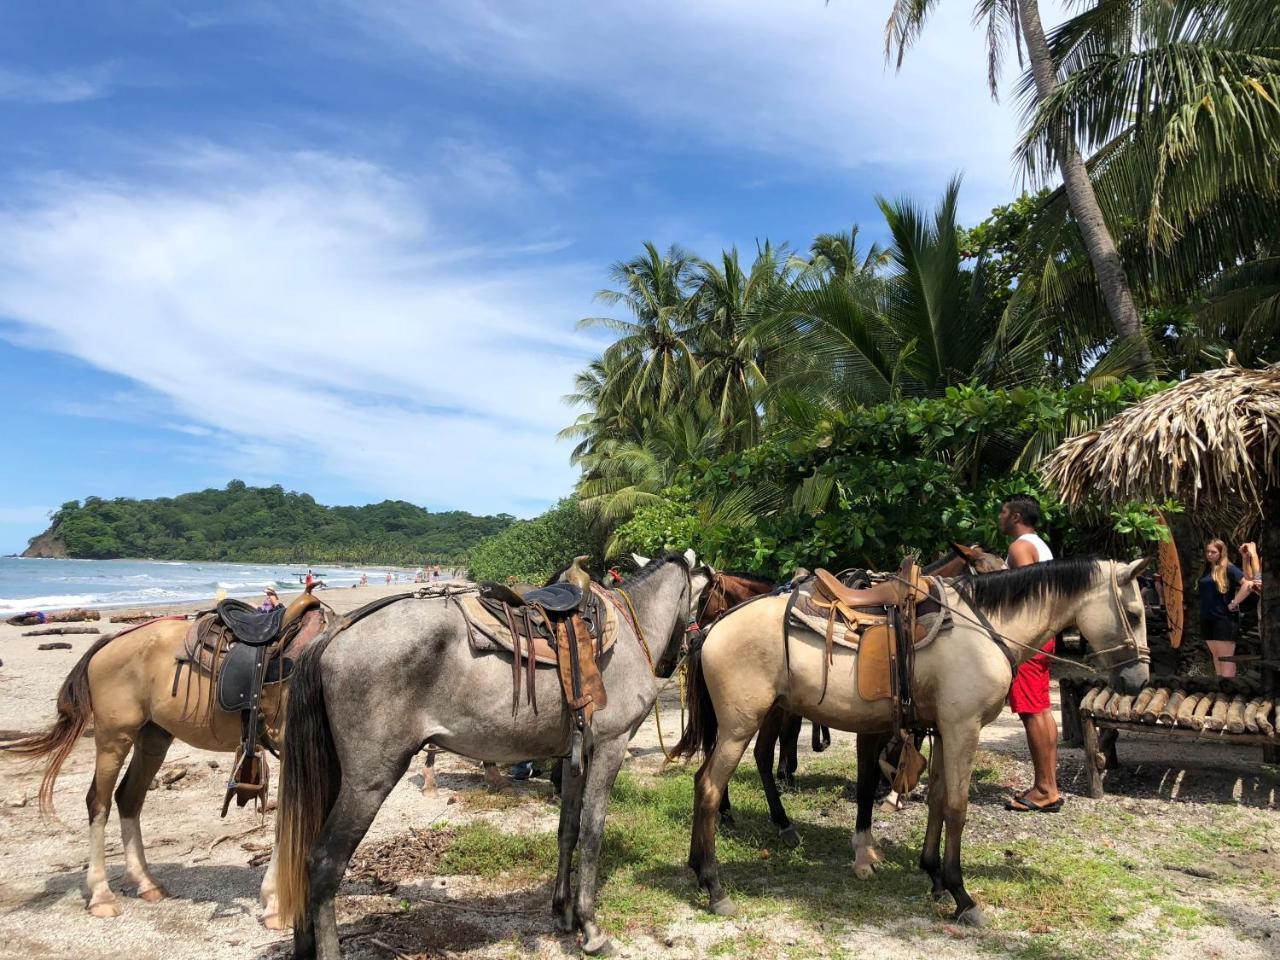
(806,81)
(306,307)
(58,86)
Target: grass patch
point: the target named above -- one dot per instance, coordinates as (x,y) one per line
(1048,892)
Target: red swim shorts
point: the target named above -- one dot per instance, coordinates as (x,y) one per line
(1030,690)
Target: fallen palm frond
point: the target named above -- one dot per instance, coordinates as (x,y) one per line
(1212,441)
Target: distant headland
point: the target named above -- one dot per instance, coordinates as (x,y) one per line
(239,523)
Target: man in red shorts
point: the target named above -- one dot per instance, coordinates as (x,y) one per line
(1029,695)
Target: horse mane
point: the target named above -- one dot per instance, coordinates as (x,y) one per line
(1004,590)
(753,577)
(654,565)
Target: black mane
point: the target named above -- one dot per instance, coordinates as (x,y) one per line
(1006,589)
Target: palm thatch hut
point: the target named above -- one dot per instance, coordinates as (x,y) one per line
(1212,442)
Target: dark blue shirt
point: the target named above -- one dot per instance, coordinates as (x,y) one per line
(1213,604)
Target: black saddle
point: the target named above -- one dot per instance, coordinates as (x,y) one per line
(557,598)
(250,626)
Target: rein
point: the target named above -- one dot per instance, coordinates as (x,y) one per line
(1142,653)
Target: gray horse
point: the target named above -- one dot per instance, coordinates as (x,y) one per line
(365,700)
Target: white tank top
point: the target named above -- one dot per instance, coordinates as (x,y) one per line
(1043,552)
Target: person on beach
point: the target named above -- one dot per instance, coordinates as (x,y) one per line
(1029,694)
(271,602)
(310,579)
(364,579)
(1220,616)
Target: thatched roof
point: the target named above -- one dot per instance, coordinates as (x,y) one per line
(1212,441)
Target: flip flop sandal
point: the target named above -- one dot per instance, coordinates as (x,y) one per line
(1030,806)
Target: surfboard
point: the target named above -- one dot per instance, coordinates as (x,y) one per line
(1170,570)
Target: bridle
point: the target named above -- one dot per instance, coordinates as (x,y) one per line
(691,628)
(1141,652)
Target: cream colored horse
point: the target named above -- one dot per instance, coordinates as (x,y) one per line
(125,685)
(961,682)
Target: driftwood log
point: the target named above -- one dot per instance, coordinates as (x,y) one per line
(133,617)
(1143,700)
(1251,714)
(1264,717)
(1090,698)
(60,631)
(1216,719)
(56,645)
(1235,715)
(1169,712)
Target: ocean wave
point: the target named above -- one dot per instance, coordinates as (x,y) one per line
(23,604)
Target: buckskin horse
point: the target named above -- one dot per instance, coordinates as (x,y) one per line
(365,700)
(959,685)
(781,727)
(141,691)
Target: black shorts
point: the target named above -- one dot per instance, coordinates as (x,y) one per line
(1214,628)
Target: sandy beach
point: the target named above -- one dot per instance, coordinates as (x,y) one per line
(213,868)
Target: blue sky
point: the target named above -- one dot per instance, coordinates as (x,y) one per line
(344,246)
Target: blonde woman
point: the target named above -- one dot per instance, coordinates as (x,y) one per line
(1222,588)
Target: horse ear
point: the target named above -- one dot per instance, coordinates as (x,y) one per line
(691,558)
(1128,571)
(639,560)
(968,552)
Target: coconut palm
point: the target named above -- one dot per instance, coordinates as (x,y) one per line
(1020,19)
(652,357)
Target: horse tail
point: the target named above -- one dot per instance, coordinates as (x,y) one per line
(309,778)
(75,710)
(701,725)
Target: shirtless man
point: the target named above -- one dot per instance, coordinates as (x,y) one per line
(1029,695)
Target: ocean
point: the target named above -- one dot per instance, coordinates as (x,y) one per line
(53,584)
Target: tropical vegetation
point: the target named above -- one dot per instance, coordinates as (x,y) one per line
(834,403)
(266,525)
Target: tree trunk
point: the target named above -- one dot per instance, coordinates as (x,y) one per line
(1103,253)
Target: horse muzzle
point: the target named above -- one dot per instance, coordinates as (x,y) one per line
(1131,678)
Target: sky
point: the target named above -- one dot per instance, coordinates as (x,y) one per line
(344,246)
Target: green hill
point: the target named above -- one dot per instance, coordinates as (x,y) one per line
(260,524)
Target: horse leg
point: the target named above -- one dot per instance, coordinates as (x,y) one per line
(571,786)
(149,750)
(930,853)
(602,770)
(493,778)
(429,773)
(957,770)
(113,747)
(710,783)
(766,738)
(358,803)
(789,751)
(867,859)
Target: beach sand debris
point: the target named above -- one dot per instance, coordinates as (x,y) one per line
(58,645)
(60,631)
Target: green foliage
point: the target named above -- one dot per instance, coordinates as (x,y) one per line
(267,525)
(669,524)
(531,550)
(875,481)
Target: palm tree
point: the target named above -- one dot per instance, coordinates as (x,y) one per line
(731,360)
(1021,18)
(652,357)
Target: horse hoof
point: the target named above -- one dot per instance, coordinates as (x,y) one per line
(724,907)
(600,946)
(106,910)
(153,894)
(864,871)
(789,835)
(273,921)
(972,917)
(564,923)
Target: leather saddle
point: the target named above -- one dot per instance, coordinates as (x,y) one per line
(561,623)
(241,650)
(554,598)
(249,625)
